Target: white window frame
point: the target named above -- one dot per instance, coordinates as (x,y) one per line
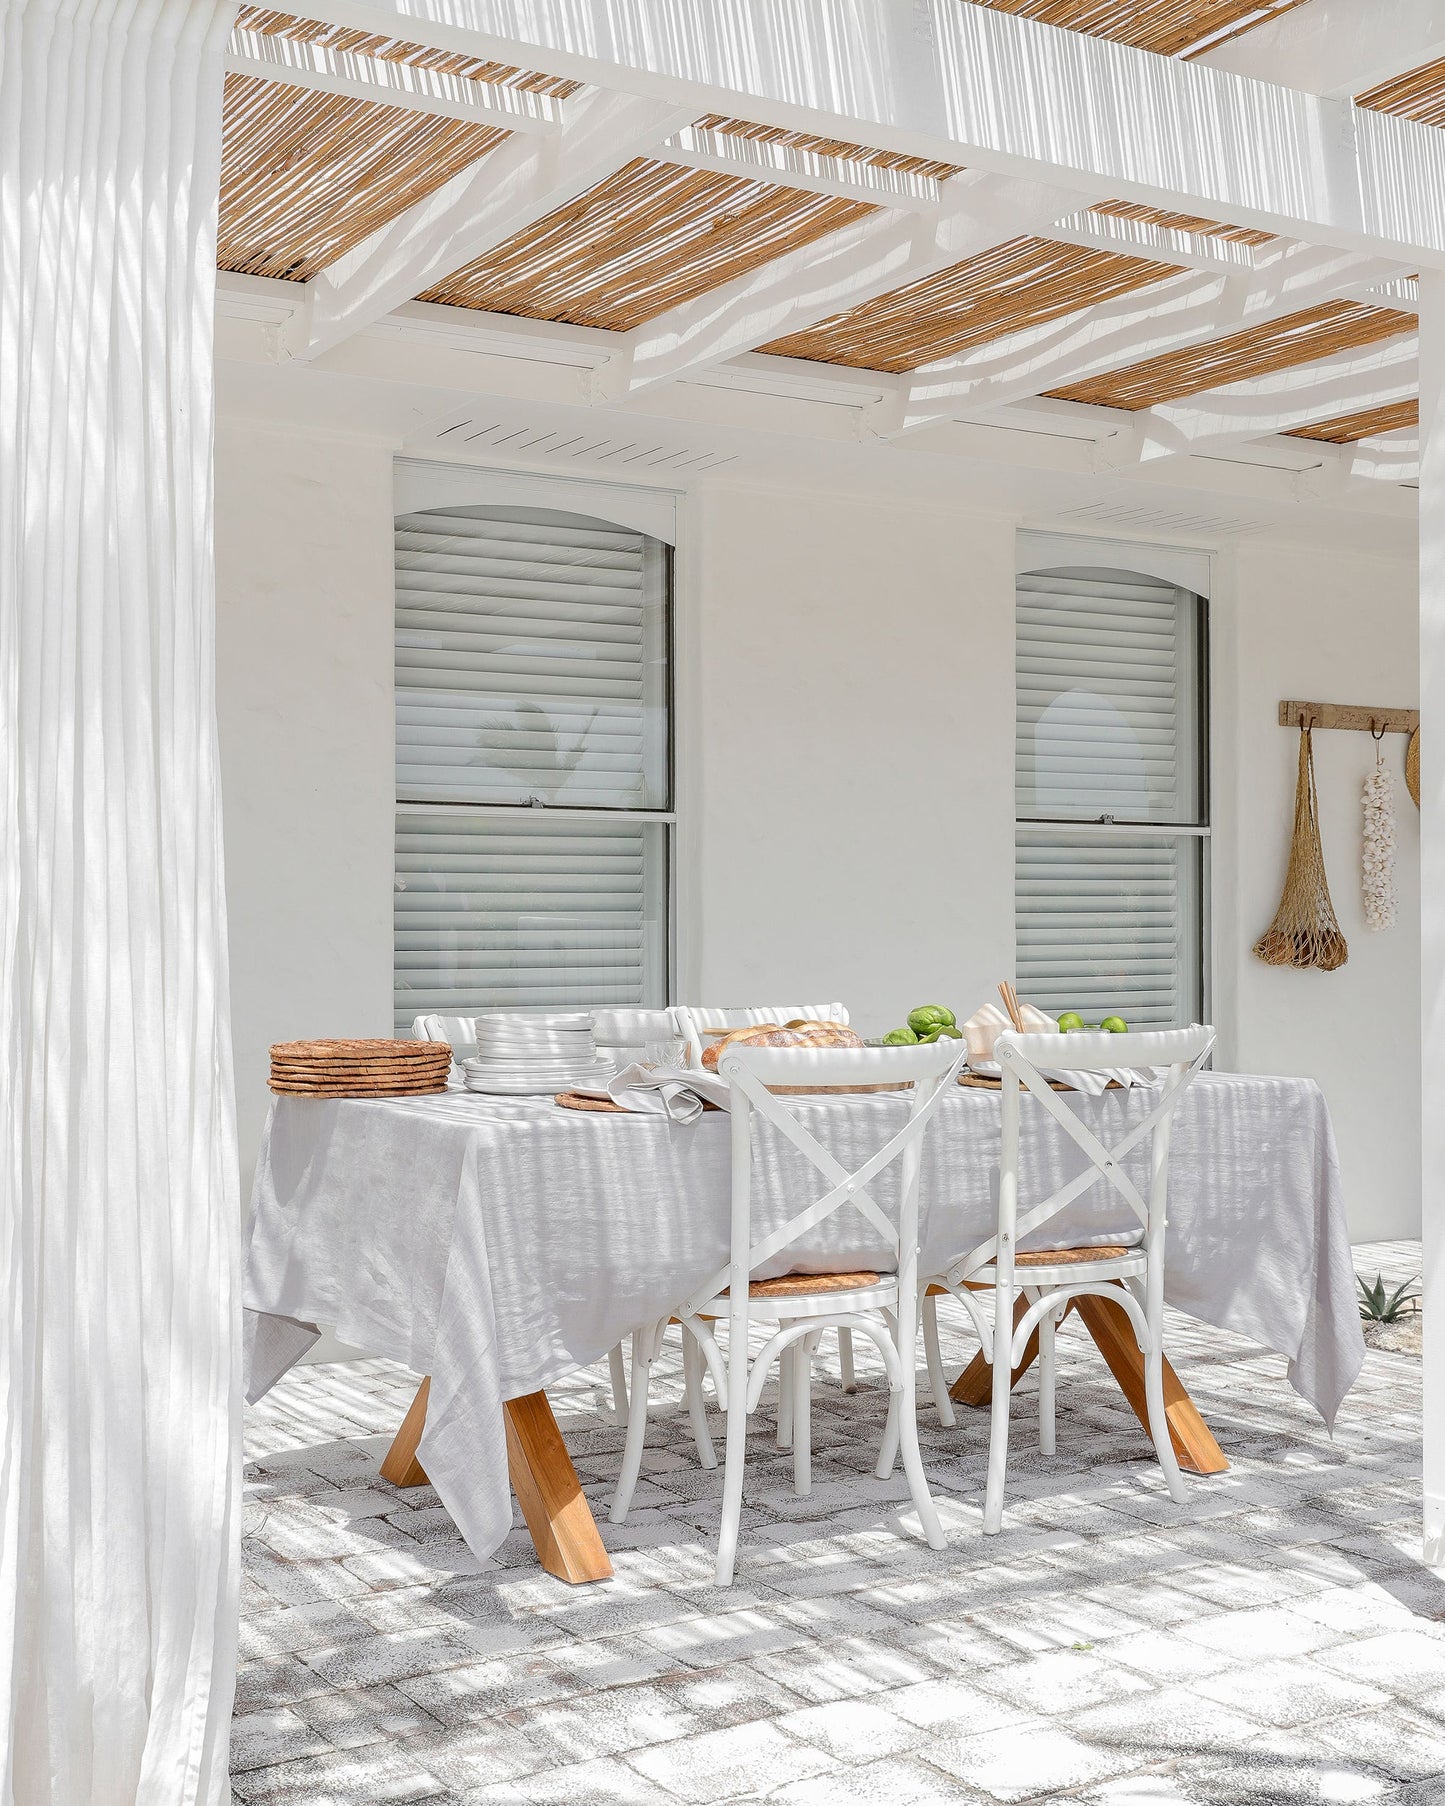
(423,483)
(1191,569)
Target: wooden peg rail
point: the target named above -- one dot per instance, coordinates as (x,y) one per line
(1347,715)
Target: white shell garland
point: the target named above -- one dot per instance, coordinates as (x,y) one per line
(1379,849)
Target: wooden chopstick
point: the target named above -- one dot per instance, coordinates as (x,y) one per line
(1011,1004)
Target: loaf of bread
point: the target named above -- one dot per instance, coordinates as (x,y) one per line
(770,1034)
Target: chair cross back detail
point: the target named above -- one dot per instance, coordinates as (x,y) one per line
(1183,1050)
(747,1068)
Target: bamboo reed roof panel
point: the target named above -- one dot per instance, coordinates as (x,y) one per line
(305,176)
(1182,222)
(399,50)
(1369,422)
(1300,338)
(1023,283)
(827,147)
(650,237)
(1170,27)
(1418,94)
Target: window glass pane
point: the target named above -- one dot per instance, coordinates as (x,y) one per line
(527,912)
(1108,924)
(531,659)
(1108,697)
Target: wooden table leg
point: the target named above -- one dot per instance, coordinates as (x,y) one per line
(401,1466)
(543,1478)
(1194,1444)
(974,1386)
(550,1493)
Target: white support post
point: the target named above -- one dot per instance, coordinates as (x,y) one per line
(1432,898)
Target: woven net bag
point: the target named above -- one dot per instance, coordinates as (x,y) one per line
(1304,931)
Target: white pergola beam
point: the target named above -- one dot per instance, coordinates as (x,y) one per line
(971,86)
(1182,311)
(1348,383)
(1337,47)
(320,69)
(811,172)
(838,272)
(1386,457)
(504,192)
(1163,244)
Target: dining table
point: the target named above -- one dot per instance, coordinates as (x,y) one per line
(494,1245)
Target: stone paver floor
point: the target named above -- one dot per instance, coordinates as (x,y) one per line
(1275,1640)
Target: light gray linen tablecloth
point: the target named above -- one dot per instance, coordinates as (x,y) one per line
(497,1244)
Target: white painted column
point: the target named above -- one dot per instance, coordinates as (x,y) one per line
(119,1395)
(1432,894)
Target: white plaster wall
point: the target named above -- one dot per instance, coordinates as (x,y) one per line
(304,662)
(1323,627)
(845,718)
(847,760)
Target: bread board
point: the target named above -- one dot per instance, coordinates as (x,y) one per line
(605,1106)
(983,1081)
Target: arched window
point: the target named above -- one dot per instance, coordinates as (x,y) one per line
(1111,797)
(533,768)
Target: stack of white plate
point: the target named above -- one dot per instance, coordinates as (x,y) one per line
(518,1055)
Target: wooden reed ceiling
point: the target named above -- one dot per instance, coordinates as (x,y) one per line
(398,50)
(1182,222)
(305,176)
(1301,338)
(650,237)
(1170,27)
(1419,94)
(1369,422)
(1023,283)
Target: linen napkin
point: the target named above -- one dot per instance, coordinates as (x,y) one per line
(984,1027)
(675,1091)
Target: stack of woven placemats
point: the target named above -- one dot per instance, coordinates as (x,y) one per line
(360,1068)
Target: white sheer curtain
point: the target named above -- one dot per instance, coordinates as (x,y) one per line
(118,1209)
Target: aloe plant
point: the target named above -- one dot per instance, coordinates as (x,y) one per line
(1378,1304)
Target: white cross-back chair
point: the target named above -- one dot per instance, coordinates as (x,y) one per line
(625,1034)
(1129,1271)
(699,1023)
(800,1306)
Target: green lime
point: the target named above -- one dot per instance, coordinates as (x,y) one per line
(1116,1025)
(1070,1022)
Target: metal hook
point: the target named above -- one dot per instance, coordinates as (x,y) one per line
(1378,734)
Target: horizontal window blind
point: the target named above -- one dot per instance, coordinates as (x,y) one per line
(530,660)
(1106,681)
(1109,715)
(1107,924)
(494,911)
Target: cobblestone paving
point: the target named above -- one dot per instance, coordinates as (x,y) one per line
(1274,1640)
